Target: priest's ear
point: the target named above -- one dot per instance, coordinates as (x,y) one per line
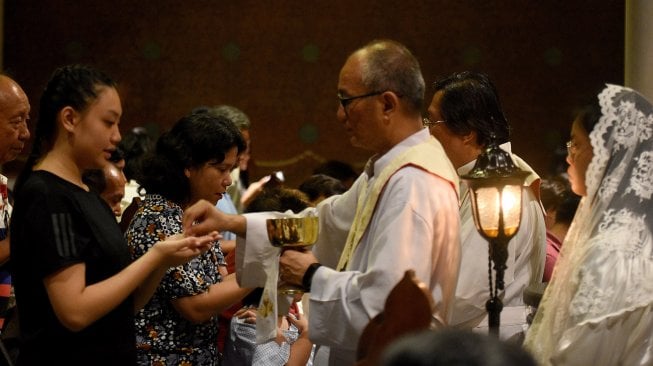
(390,101)
(470,138)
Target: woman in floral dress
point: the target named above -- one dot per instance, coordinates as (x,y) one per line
(191,162)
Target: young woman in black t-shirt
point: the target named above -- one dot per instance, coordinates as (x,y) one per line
(76,286)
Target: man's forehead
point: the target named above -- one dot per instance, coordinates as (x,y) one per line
(350,75)
(436,101)
(11,94)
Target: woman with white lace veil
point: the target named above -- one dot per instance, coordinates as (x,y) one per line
(598,307)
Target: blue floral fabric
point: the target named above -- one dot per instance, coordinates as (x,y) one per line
(163,336)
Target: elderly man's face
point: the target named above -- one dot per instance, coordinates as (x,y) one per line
(115,189)
(14,114)
(359,116)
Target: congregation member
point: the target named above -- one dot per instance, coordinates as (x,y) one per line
(109,182)
(454,347)
(464,114)
(192,161)
(76,286)
(291,346)
(236,198)
(598,306)
(318,187)
(14,133)
(231,202)
(339,170)
(135,144)
(401,213)
(560,204)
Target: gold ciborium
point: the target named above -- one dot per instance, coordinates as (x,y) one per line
(292,233)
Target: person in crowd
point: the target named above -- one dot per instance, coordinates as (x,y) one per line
(233,202)
(272,199)
(76,286)
(400,214)
(465,115)
(291,345)
(454,347)
(279,199)
(14,133)
(190,162)
(109,183)
(320,186)
(560,205)
(338,169)
(598,307)
(134,145)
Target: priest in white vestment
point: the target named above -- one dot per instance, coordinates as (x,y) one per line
(464,113)
(400,214)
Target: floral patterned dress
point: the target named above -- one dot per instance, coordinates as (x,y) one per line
(163,336)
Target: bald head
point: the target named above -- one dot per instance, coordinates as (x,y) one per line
(114,190)
(389,65)
(14,114)
(381,92)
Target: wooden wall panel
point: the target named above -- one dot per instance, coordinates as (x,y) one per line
(279,60)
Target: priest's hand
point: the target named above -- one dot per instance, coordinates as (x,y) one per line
(293,265)
(203,217)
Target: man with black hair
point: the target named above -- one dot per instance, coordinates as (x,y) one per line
(465,115)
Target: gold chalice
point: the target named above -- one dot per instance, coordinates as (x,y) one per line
(292,233)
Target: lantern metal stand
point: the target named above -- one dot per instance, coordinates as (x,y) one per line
(495,186)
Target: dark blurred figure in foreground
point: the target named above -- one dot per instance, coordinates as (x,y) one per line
(450,347)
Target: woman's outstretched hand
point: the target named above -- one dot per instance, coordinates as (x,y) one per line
(179,249)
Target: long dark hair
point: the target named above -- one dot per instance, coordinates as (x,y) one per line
(193,140)
(75,86)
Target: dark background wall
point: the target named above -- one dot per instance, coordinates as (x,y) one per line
(279,61)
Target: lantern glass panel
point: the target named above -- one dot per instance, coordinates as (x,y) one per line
(511,207)
(487,207)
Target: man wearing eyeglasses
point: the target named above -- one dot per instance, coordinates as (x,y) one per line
(401,213)
(464,114)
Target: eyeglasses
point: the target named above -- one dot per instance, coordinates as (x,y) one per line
(345,101)
(428,123)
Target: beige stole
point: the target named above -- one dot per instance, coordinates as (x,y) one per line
(429,156)
(532,180)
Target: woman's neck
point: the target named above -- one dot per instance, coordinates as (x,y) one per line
(63,167)
(559,230)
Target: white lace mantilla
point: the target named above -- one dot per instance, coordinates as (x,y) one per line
(598,309)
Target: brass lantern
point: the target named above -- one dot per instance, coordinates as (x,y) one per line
(495,188)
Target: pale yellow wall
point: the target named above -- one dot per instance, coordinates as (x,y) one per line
(639,46)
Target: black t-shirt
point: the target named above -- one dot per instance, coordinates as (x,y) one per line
(56,224)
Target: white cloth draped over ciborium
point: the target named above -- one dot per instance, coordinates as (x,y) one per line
(598,307)
(260,268)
